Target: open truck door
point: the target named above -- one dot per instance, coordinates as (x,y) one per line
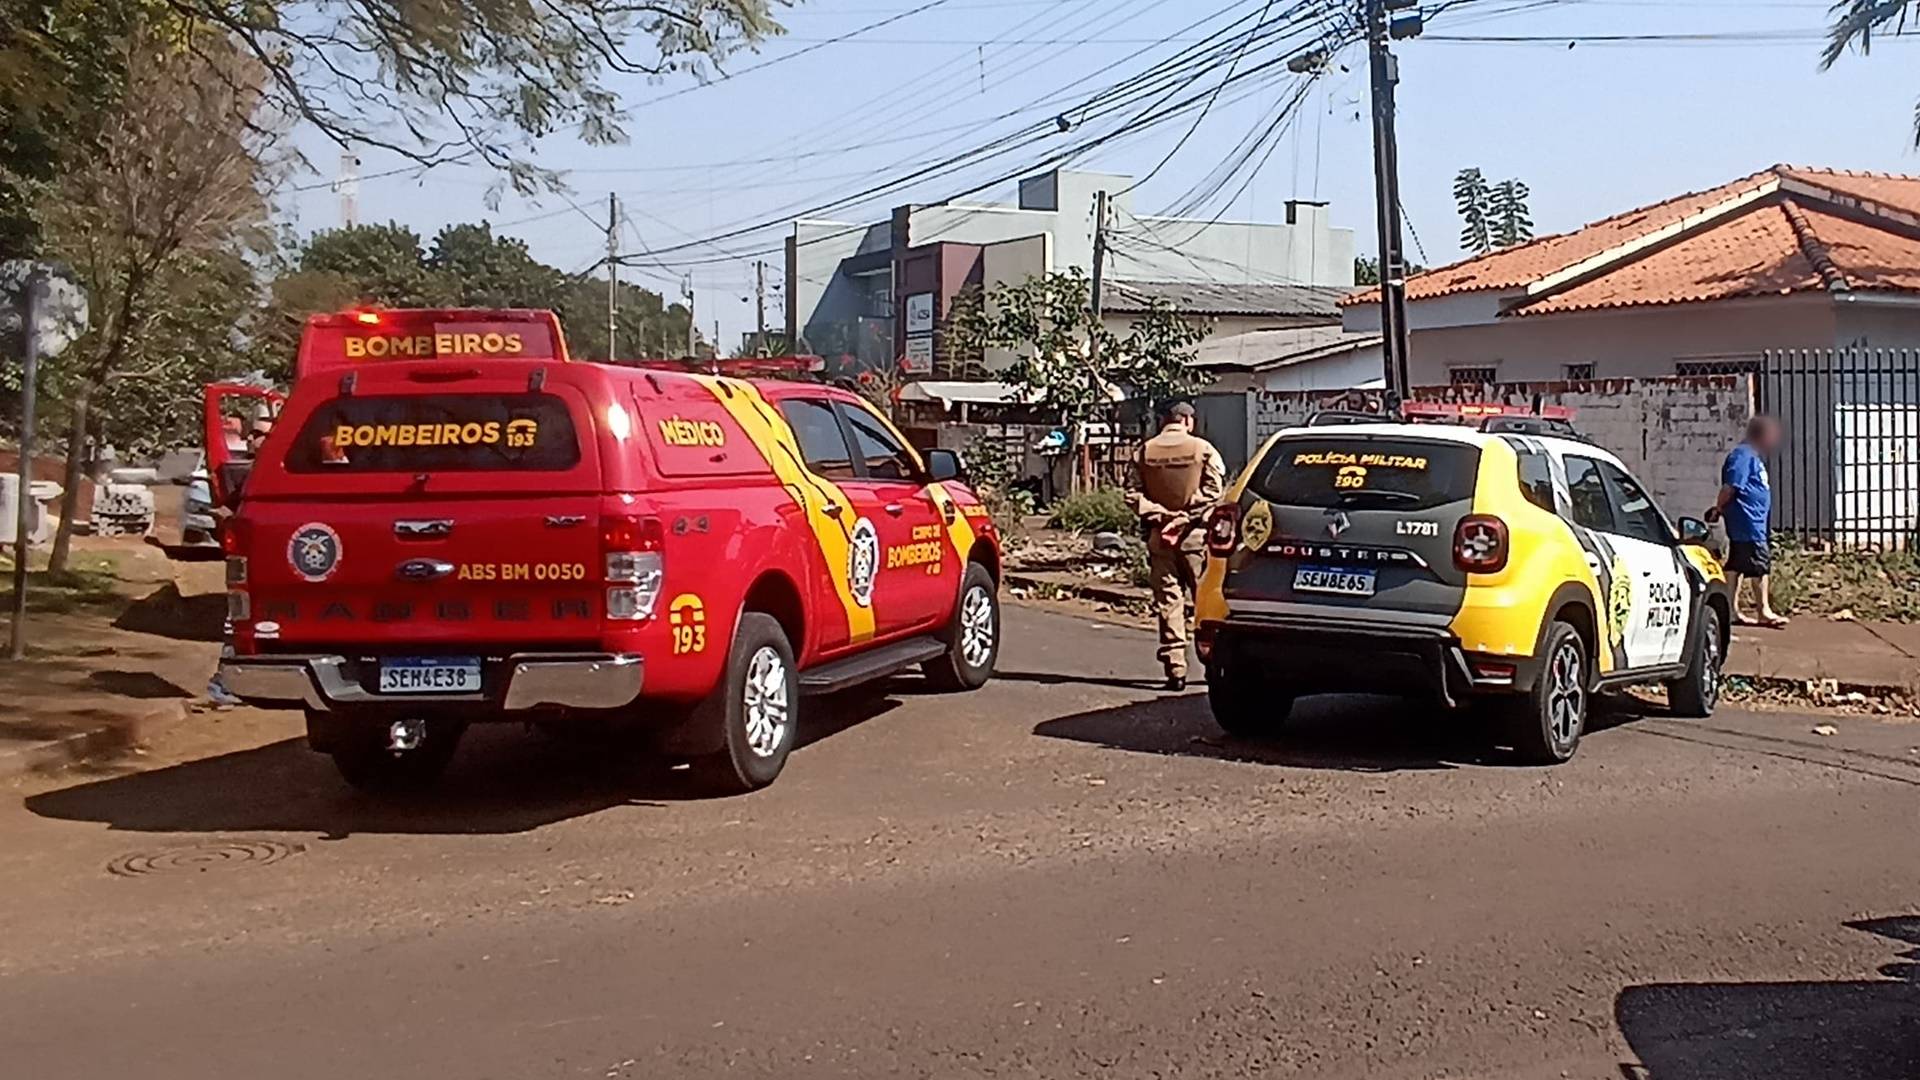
(228,460)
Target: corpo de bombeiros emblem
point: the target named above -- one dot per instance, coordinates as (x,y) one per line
(863,561)
(314,551)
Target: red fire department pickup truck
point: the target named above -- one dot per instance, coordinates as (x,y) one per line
(452,523)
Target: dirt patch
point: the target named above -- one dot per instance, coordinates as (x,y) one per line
(114,648)
(1874,586)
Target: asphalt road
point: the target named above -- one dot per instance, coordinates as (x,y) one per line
(1065,874)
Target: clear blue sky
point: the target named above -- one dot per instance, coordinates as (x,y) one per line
(1593,130)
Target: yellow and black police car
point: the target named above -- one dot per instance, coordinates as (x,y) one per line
(1509,566)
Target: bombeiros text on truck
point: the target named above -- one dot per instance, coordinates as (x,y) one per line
(453,522)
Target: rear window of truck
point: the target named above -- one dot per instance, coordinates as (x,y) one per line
(1411,474)
(437,433)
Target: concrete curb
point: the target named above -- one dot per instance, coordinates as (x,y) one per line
(1105,594)
(81,746)
(1840,686)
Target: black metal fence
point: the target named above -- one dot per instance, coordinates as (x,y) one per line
(1848,474)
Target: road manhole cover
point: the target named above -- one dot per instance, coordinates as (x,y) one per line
(202,858)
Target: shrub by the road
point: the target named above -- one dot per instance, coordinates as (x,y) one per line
(1877,586)
(1100,510)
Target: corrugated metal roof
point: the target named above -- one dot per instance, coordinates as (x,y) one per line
(1267,350)
(1221,298)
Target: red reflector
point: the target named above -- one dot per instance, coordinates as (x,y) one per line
(1492,669)
(620,532)
(1223,530)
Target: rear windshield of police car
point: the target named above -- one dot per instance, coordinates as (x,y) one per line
(437,433)
(1370,473)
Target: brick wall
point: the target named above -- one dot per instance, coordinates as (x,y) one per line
(1671,432)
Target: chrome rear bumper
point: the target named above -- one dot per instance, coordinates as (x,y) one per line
(530,681)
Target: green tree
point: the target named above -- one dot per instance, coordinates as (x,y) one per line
(488,271)
(1492,216)
(465,265)
(435,81)
(202,330)
(647,325)
(1857,22)
(1366,270)
(384,265)
(1471,196)
(1512,222)
(1047,323)
(169,190)
(61,75)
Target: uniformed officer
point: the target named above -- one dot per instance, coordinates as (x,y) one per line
(1181,477)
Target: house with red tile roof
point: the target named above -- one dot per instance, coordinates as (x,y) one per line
(1787,258)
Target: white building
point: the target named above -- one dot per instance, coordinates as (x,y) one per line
(879,293)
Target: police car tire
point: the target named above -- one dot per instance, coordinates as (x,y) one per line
(362,757)
(1530,716)
(1695,694)
(951,670)
(1246,705)
(735,769)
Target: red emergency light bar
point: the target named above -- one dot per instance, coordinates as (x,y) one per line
(348,339)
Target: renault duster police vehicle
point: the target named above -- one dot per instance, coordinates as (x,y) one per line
(1521,572)
(452,523)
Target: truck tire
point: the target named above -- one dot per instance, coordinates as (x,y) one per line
(754,709)
(1245,703)
(973,636)
(1546,722)
(1697,693)
(359,751)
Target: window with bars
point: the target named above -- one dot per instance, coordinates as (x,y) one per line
(1471,376)
(1579,372)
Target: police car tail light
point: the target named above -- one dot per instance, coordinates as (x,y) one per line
(635,565)
(1480,544)
(1223,530)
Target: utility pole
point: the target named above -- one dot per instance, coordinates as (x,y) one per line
(613,274)
(23,510)
(760,307)
(1097,324)
(348,187)
(1384,25)
(693,335)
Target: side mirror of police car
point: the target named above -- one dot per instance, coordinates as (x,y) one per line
(1694,532)
(945,465)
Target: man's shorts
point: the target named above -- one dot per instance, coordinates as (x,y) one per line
(1750,558)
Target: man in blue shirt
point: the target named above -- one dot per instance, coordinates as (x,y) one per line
(1746,504)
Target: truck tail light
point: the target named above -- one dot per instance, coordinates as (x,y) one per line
(631,550)
(1480,544)
(1223,530)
